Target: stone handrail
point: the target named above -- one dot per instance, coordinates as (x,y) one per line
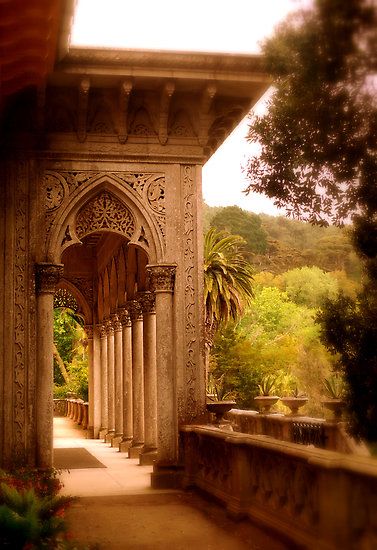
(325,434)
(318,499)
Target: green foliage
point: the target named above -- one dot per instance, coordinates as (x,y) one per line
(227,279)
(309,286)
(216,389)
(31,512)
(70,340)
(349,330)
(334,386)
(267,385)
(236,221)
(318,138)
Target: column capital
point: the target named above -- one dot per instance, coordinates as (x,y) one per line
(116,323)
(147,301)
(47,277)
(102,329)
(89,331)
(134,309)
(161,277)
(124,317)
(109,326)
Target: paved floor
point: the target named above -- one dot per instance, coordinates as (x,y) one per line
(118,510)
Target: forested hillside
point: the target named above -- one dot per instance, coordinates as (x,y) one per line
(296,267)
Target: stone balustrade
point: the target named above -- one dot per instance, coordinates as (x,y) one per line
(76,409)
(297,429)
(316,498)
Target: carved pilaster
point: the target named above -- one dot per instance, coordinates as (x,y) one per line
(47,277)
(83,109)
(147,301)
(165,100)
(124,98)
(124,317)
(116,323)
(134,310)
(161,277)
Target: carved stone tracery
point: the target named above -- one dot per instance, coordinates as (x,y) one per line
(104,211)
(64,298)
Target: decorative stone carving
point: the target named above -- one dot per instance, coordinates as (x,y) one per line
(165,100)
(124,98)
(147,301)
(89,331)
(102,330)
(85,286)
(181,125)
(104,211)
(206,101)
(190,318)
(124,317)
(54,190)
(161,277)
(116,323)
(156,195)
(141,124)
(134,310)
(109,326)
(83,109)
(64,298)
(48,276)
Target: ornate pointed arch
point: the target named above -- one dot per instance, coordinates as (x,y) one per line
(68,295)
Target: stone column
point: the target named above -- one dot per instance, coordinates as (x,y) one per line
(149,451)
(118,381)
(96,364)
(47,277)
(134,309)
(104,389)
(110,381)
(161,281)
(89,336)
(127,380)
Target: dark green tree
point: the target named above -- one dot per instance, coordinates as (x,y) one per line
(237,221)
(319,160)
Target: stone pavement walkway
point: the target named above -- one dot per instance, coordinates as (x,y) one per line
(117,509)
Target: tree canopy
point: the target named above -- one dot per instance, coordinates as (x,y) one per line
(318,139)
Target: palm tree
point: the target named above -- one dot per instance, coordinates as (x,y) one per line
(228,279)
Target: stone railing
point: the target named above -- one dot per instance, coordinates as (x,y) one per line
(297,429)
(317,499)
(76,409)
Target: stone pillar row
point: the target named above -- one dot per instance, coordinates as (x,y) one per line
(122,386)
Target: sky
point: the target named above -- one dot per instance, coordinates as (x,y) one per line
(192,25)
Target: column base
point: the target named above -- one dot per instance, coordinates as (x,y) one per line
(90,433)
(116,439)
(135,450)
(102,433)
(124,445)
(167,476)
(109,436)
(147,456)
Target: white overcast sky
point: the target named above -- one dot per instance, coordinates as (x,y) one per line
(194,25)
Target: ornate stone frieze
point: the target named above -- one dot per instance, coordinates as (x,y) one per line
(189,296)
(47,277)
(147,301)
(124,317)
(116,322)
(161,277)
(134,310)
(104,211)
(64,298)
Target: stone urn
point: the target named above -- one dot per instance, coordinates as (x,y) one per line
(265,402)
(336,406)
(219,408)
(294,403)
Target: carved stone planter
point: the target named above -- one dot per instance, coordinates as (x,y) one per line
(265,402)
(336,406)
(294,403)
(219,408)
